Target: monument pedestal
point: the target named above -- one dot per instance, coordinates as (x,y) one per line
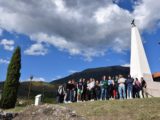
(153,88)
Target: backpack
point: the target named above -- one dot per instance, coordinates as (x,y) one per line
(60,90)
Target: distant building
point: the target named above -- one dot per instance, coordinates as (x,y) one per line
(156,76)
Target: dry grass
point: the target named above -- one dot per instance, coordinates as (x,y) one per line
(15,110)
(136,109)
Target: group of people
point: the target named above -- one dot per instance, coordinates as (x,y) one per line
(107,88)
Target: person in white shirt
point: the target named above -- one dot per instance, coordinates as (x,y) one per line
(91,86)
(121,87)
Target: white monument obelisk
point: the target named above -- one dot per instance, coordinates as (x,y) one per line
(139,66)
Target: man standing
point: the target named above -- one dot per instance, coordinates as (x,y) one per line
(144,88)
(70,91)
(97,90)
(84,94)
(60,94)
(110,87)
(129,83)
(121,87)
(115,91)
(104,87)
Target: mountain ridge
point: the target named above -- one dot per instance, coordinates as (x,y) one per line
(96,73)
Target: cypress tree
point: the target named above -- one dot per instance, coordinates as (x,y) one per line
(10,89)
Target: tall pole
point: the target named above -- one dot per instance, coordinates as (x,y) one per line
(42,90)
(29,87)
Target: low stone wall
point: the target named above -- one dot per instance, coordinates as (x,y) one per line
(153,88)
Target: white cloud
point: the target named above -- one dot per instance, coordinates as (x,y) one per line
(57,77)
(126,65)
(72,71)
(4,61)
(36,49)
(38,79)
(64,27)
(79,27)
(7,44)
(147,14)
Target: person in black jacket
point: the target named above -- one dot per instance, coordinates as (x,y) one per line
(70,91)
(144,88)
(60,94)
(97,90)
(84,93)
(74,91)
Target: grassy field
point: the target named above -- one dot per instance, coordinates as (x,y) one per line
(16,109)
(137,109)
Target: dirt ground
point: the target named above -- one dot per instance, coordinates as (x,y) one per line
(48,112)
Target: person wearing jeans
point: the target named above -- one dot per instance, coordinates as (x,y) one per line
(129,91)
(121,87)
(70,91)
(129,83)
(104,87)
(104,94)
(71,95)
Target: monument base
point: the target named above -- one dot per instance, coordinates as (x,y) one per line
(153,89)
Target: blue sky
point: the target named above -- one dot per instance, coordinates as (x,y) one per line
(61,37)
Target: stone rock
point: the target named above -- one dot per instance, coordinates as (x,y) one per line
(7,115)
(48,112)
(1,110)
(73,113)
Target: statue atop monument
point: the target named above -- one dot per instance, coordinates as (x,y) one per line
(133,23)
